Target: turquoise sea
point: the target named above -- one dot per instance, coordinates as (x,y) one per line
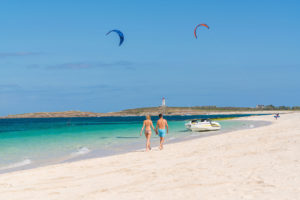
(27,143)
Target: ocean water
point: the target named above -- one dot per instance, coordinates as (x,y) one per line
(27,143)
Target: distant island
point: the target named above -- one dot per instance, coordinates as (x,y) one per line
(196,110)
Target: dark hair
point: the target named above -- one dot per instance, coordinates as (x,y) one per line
(160,115)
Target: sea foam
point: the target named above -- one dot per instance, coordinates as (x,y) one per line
(17,164)
(251,126)
(81,151)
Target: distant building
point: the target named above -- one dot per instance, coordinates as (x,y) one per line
(163,103)
(260,106)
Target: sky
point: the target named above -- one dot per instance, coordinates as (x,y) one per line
(55,55)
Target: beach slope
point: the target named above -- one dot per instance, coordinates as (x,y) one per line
(258,163)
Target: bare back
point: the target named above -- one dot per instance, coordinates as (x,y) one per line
(161,123)
(148,124)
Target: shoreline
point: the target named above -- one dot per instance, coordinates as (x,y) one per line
(133,149)
(136,147)
(258,163)
(79,114)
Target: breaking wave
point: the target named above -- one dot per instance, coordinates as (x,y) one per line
(81,151)
(17,164)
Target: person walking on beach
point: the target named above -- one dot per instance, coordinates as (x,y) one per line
(147,125)
(161,130)
(276,116)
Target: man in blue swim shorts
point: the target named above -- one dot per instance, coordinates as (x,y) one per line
(161,126)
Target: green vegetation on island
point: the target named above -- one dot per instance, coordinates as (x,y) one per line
(195,110)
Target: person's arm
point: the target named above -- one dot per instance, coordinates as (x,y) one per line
(142,128)
(167,126)
(156,128)
(152,126)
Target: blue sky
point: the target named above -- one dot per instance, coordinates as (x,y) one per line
(54,55)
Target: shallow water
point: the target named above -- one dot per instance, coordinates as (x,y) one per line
(27,143)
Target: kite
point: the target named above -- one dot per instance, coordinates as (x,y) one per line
(195,31)
(121,35)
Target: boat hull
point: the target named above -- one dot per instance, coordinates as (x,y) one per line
(198,127)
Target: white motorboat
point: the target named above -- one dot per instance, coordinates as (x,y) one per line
(203,125)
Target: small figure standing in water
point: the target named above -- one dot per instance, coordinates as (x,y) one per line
(147,125)
(276,116)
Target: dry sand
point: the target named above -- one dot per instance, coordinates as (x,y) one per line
(259,163)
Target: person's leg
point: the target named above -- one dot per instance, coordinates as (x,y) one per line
(146,135)
(148,141)
(162,139)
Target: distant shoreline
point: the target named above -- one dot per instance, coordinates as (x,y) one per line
(144,111)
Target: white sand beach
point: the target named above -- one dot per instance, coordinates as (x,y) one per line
(258,163)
